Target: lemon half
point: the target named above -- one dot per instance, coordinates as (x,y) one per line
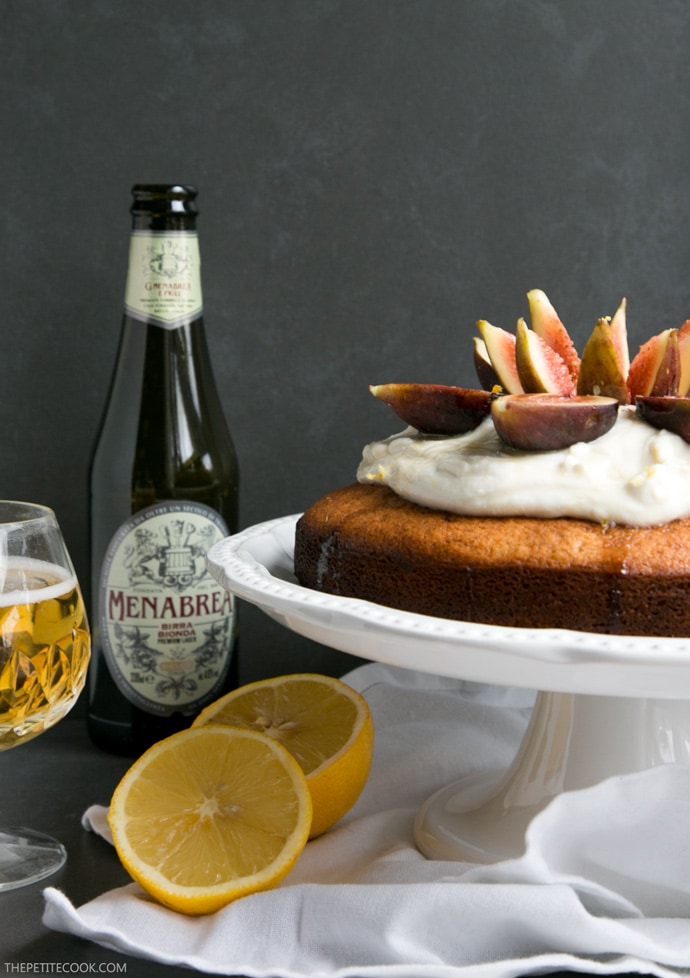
(324,723)
(209,815)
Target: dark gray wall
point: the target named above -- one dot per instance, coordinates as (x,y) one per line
(374,177)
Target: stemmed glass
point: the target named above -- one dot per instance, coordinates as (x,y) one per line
(44,652)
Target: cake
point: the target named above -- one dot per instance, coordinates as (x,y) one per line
(557,496)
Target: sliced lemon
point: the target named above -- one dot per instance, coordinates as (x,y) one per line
(324,723)
(209,815)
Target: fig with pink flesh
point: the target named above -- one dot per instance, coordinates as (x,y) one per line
(547,422)
(646,365)
(547,324)
(500,346)
(436,409)
(667,412)
(540,369)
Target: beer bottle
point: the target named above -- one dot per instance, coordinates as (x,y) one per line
(163,489)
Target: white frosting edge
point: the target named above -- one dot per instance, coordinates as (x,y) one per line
(634,474)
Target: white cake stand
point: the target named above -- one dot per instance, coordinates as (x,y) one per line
(607,705)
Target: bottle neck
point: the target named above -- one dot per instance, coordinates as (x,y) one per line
(164,274)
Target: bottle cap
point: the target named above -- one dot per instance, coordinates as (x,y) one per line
(158,199)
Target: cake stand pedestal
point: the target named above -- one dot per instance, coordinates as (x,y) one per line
(608,704)
(572,741)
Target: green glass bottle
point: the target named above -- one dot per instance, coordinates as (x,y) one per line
(163,488)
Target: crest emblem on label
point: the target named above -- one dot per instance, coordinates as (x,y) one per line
(164,278)
(167,627)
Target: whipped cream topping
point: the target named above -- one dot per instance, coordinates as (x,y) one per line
(635,474)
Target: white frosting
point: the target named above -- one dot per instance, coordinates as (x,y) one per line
(634,474)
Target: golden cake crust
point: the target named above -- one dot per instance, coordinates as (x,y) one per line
(365,541)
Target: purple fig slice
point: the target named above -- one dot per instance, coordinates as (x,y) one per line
(487,376)
(547,324)
(540,368)
(666,411)
(547,422)
(602,370)
(646,364)
(500,345)
(435,409)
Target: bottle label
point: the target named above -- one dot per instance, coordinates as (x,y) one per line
(167,627)
(164,278)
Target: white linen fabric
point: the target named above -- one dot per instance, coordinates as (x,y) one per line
(603,887)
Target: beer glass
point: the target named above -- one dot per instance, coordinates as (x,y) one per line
(44,652)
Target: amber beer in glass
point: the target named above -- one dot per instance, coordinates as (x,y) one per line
(45,647)
(44,654)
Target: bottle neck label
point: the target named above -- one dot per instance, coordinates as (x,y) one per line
(164,278)
(167,627)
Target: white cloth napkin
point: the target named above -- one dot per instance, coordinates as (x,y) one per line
(603,887)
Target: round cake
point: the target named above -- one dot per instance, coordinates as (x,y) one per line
(365,541)
(556,497)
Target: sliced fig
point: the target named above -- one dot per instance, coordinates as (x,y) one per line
(602,370)
(547,324)
(645,365)
(486,374)
(547,422)
(436,409)
(619,332)
(668,375)
(500,346)
(684,353)
(668,412)
(540,369)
